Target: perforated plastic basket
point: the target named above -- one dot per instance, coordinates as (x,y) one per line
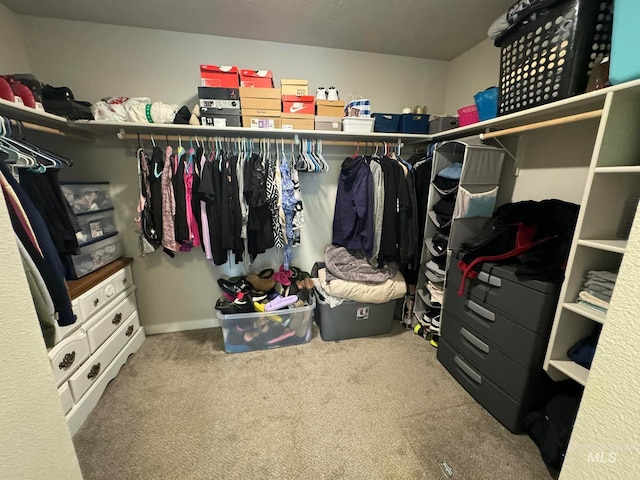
(548,55)
(468,115)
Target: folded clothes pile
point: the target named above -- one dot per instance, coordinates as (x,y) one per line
(597,289)
(446,184)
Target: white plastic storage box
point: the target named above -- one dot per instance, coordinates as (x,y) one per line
(95,226)
(246,332)
(87,197)
(354,319)
(94,255)
(358,124)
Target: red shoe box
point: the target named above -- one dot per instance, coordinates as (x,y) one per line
(295,104)
(256,78)
(219,76)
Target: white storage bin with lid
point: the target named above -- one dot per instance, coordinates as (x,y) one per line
(95,226)
(93,256)
(358,124)
(87,197)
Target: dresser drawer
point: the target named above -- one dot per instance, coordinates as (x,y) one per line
(65,397)
(504,408)
(489,360)
(68,355)
(499,287)
(123,279)
(90,371)
(94,300)
(523,345)
(101,328)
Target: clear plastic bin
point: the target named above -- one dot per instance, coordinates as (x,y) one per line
(87,197)
(93,256)
(96,226)
(358,124)
(246,332)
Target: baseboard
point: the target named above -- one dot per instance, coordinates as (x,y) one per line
(181,326)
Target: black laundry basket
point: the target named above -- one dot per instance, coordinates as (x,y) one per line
(548,55)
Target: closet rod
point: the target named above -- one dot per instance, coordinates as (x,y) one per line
(544,124)
(53,131)
(175,138)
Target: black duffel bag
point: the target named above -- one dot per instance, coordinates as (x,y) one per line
(60,101)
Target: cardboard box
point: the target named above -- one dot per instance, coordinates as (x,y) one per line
(330,108)
(261,121)
(261,103)
(217,93)
(225,76)
(251,92)
(298,121)
(220,120)
(210,112)
(328,123)
(256,78)
(298,104)
(295,87)
(216,103)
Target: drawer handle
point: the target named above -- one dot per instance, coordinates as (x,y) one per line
(466,369)
(67,361)
(129,331)
(490,279)
(483,312)
(124,280)
(93,373)
(473,340)
(117,318)
(96,302)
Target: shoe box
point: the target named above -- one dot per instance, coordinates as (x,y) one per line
(256,78)
(354,319)
(260,107)
(298,121)
(328,123)
(330,108)
(224,76)
(219,107)
(294,104)
(296,87)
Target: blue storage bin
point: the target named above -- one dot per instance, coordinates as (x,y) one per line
(414,123)
(386,122)
(487,103)
(625,62)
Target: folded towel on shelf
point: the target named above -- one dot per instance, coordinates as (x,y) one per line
(587,297)
(602,276)
(602,287)
(602,296)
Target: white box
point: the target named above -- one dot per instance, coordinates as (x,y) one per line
(357,124)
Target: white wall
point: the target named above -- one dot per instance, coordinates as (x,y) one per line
(605,443)
(102,60)
(35,441)
(12,49)
(473,71)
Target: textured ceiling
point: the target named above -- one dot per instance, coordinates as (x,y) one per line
(436,29)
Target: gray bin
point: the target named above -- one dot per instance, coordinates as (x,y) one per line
(354,319)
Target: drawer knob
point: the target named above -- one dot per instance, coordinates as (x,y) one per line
(67,361)
(124,281)
(129,331)
(96,302)
(93,373)
(117,318)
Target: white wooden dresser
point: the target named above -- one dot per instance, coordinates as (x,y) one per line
(90,353)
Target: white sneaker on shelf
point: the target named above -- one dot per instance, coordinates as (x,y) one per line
(321,93)
(332,94)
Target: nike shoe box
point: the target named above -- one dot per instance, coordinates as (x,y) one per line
(292,86)
(214,103)
(298,121)
(217,120)
(354,319)
(328,123)
(330,108)
(217,93)
(256,78)
(293,104)
(219,76)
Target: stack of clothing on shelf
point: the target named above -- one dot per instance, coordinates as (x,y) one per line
(347,275)
(597,289)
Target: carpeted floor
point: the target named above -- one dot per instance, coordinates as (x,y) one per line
(370,408)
